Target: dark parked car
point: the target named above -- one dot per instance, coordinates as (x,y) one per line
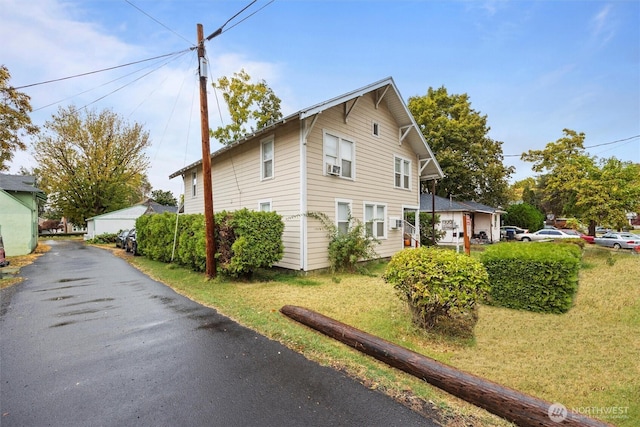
(121,238)
(3,260)
(130,243)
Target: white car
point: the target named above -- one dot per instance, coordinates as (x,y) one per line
(545,234)
(619,240)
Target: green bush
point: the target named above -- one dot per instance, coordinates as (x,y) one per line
(440,286)
(539,277)
(257,244)
(103,239)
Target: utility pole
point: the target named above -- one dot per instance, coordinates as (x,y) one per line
(209,220)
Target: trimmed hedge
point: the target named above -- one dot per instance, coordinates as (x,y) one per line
(439,285)
(539,277)
(245,240)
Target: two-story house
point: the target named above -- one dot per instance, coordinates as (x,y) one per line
(360,154)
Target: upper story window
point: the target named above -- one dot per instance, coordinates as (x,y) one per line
(375,128)
(343,214)
(267,159)
(402,173)
(194,183)
(339,152)
(375,219)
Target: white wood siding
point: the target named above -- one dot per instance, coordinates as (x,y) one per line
(237,184)
(374,174)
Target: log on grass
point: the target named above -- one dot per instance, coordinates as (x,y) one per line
(512,405)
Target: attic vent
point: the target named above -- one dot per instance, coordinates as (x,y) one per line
(375,128)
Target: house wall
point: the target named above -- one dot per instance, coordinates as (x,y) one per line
(19,222)
(114,222)
(373,180)
(237,184)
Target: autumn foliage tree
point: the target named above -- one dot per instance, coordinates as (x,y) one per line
(458,135)
(251,105)
(15,122)
(91,163)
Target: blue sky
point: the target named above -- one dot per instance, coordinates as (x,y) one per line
(533,67)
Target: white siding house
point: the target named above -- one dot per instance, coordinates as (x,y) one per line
(122,219)
(360,153)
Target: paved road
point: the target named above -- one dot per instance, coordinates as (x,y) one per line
(87,340)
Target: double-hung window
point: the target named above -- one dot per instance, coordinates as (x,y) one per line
(374,219)
(343,213)
(267,159)
(339,152)
(402,173)
(264,205)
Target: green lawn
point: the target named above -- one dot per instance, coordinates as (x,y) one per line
(587,359)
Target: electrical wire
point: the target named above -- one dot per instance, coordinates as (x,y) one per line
(249,16)
(104,69)
(219,30)
(591,146)
(158,22)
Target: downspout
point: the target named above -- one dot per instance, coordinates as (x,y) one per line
(303,197)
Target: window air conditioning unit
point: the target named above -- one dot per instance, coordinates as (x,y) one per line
(395,223)
(333,169)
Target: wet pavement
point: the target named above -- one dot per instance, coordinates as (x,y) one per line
(88,340)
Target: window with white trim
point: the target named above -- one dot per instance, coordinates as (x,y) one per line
(375,215)
(267,159)
(339,152)
(264,205)
(375,128)
(343,213)
(194,184)
(402,173)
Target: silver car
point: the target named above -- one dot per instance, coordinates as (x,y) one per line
(618,240)
(545,234)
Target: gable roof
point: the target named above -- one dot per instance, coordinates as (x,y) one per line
(443,204)
(19,183)
(387,91)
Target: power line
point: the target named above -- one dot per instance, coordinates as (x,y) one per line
(104,69)
(155,20)
(249,16)
(217,32)
(591,146)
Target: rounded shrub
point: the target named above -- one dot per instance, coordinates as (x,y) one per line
(442,287)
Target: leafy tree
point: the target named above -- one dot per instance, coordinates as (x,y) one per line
(164,198)
(524,215)
(471,161)
(576,184)
(249,104)
(15,122)
(91,163)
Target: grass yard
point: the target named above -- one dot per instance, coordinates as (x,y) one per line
(587,359)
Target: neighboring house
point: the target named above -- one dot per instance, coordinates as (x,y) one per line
(360,154)
(123,219)
(19,203)
(484,219)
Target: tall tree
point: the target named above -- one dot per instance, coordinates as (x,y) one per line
(15,122)
(471,161)
(576,184)
(164,198)
(91,163)
(250,104)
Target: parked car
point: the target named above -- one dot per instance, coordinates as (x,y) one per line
(511,231)
(130,243)
(576,233)
(618,240)
(122,236)
(3,260)
(545,234)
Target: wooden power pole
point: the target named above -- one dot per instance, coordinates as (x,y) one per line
(209,221)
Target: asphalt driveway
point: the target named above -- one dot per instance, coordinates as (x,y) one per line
(88,340)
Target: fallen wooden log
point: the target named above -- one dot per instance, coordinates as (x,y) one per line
(512,405)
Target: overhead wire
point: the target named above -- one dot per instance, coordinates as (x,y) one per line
(158,22)
(104,69)
(592,146)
